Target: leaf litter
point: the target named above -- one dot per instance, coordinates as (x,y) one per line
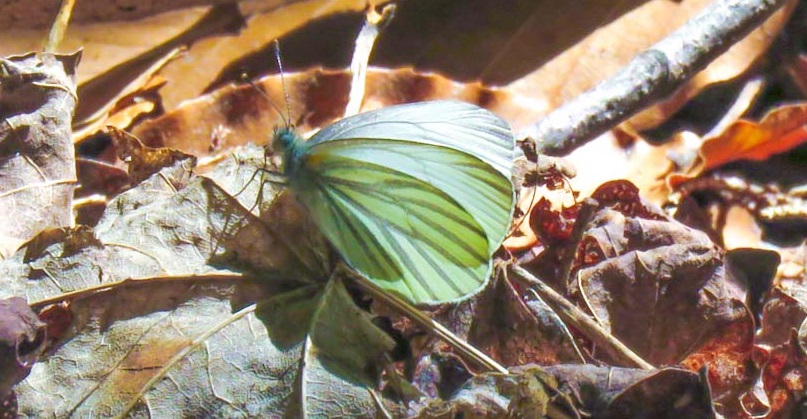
(154,285)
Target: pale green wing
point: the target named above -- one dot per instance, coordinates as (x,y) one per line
(417,197)
(478,189)
(458,125)
(487,194)
(404,233)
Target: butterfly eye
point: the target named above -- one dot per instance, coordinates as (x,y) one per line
(284,139)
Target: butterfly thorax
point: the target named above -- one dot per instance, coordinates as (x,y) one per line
(290,144)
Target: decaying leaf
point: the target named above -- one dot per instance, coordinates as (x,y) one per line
(579,391)
(519,332)
(38,170)
(240,114)
(266,21)
(136,100)
(658,286)
(145,161)
(531,393)
(177,236)
(58,319)
(778,131)
(132,336)
(779,353)
(113,44)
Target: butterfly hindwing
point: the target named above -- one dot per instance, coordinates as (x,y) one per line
(407,235)
(479,190)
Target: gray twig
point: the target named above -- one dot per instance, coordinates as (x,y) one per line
(649,77)
(578,319)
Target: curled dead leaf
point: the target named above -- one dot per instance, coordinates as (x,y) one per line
(778,131)
(234,115)
(145,161)
(22,339)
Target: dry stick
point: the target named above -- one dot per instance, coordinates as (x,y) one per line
(365,41)
(582,322)
(59,26)
(109,286)
(649,77)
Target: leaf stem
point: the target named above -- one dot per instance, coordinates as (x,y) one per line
(582,322)
(59,26)
(466,350)
(192,346)
(108,286)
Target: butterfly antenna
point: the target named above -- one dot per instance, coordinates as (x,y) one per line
(245,79)
(283,83)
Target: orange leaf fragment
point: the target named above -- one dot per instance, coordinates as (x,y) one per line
(779,131)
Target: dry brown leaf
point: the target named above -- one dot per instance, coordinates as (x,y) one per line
(137,100)
(798,72)
(658,286)
(777,352)
(780,130)
(620,155)
(662,283)
(237,115)
(106,45)
(22,339)
(39,14)
(518,332)
(579,391)
(727,353)
(741,230)
(207,58)
(144,161)
(117,54)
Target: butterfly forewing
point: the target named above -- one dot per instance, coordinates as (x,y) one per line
(458,125)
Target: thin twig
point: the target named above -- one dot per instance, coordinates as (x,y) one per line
(365,41)
(152,280)
(465,350)
(576,318)
(59,26)
(650,77)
